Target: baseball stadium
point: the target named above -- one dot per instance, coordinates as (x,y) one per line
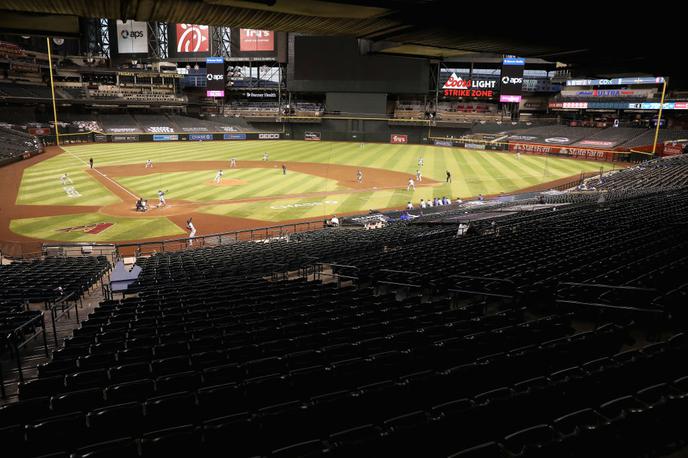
(346,228)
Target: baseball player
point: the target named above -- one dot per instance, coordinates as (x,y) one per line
(192,230)
(232,163)
(411,185)
(149,164)
(218,177)
(161,199)
(65,179)
(518,155)
(419,176)
(420,162)
(449,177)
(266,157)
(359,176)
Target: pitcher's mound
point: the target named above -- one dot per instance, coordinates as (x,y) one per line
(229,182)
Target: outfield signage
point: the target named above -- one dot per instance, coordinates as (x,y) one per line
(602,93)
(619,105)
(311,136)
(398,138)
(455,86)
(596,143)
(165,138)
(132,37)
(269,136)
(38,131)
(674,147)
(617,81)
(234,137)
(200,137)
(124,138)
(586,153)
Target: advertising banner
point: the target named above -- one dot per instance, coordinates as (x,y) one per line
(100,138)
(192,38)
(165,138)
(596,143)
(455,86)
(398,138)
(215,74)
(617,81)
(674,148)
(234,136)
(311,136)
(132,37)
(443,143)
(269,136)
(200,137)
(474,145)
(38,130)
(511,81)
(125,138)
(256,40)
(585,153)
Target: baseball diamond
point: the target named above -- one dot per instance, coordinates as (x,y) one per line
(321,180)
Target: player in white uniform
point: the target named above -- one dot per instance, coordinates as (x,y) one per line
(149,164)
(419,176)
(65,179)
(411,185)
(359,176)
(420,162)
(218,177)
(192,230)
(161,199)
(232,163)
(266,157)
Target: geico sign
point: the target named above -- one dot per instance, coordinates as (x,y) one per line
(507,80)
(212,77)
(455,82)
(133,34)
(268,136)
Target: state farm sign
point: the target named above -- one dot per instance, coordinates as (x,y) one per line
(456,86)
(398,138)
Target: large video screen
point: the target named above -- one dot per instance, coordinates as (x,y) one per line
(336,64)
(511,79)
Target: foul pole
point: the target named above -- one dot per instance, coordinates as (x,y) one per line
(52,90)
(659,117)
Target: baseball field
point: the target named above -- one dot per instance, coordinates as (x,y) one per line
(98,205)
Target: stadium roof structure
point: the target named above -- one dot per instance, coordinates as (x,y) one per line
(596,41)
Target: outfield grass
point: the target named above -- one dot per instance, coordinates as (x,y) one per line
(474,172)
(198,186)
(40,184)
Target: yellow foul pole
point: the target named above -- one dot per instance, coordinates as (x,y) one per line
(52,89)
(659,117)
